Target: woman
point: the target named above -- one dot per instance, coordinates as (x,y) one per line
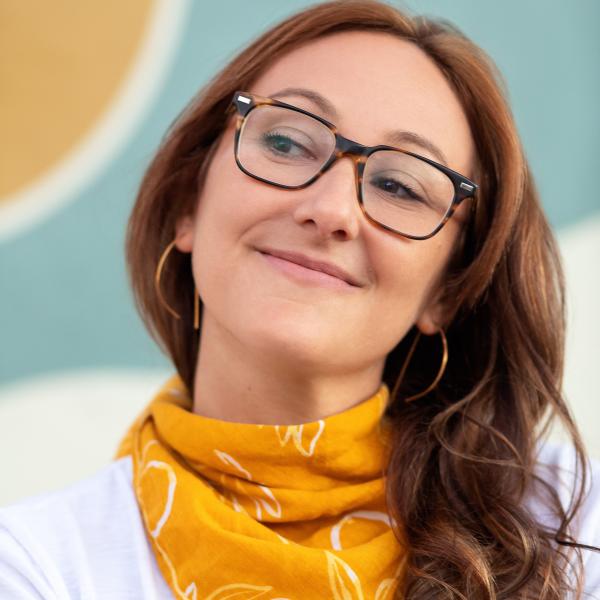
(340,246)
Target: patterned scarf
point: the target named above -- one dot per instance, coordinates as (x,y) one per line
(272,512)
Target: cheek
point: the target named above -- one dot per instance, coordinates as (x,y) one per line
(214,222)
(220,204)
(407,275)
(227,211)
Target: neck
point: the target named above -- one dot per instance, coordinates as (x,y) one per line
(245,385)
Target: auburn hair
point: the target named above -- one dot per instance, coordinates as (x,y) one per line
(463,456)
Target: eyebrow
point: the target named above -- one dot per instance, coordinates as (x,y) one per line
(395,137)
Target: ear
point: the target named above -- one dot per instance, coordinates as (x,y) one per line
(432,317)
(184,234)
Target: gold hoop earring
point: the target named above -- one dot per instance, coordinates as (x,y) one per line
(161,298)
(196,309)
(407,362)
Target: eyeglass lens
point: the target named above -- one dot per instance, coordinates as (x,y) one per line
(399,191)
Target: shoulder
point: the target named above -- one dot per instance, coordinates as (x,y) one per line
(96,502)
(557,466)
(78,542)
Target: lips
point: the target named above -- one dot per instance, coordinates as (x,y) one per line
(314,264)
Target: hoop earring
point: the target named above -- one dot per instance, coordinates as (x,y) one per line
(157,276)
(407,362)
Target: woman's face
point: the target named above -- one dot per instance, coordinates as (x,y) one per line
(376,83)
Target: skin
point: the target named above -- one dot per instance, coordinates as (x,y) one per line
(277,351)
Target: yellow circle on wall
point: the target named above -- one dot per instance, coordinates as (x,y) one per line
(62,63)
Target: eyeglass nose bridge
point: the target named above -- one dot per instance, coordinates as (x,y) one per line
(357,152)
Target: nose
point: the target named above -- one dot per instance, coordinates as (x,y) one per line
(330,205)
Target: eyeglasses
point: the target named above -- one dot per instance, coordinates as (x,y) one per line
(398,190)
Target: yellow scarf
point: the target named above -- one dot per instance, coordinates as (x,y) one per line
(277,512)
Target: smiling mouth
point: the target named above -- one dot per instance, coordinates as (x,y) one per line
(305,275)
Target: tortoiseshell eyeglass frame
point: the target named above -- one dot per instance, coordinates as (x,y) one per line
(245,102)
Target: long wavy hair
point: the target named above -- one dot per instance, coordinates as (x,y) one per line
(464,455)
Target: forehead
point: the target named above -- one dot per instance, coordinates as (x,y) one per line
(376,82)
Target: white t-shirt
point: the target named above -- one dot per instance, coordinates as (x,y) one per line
(87,541)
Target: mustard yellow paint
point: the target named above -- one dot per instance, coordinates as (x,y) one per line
(61,63)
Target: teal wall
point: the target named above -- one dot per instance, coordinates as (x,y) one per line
(64,301)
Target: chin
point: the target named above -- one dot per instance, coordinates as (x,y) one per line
(306,342)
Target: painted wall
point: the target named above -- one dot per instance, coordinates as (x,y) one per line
(88,91)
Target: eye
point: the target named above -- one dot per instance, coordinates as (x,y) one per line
(284,145)
(396,188)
